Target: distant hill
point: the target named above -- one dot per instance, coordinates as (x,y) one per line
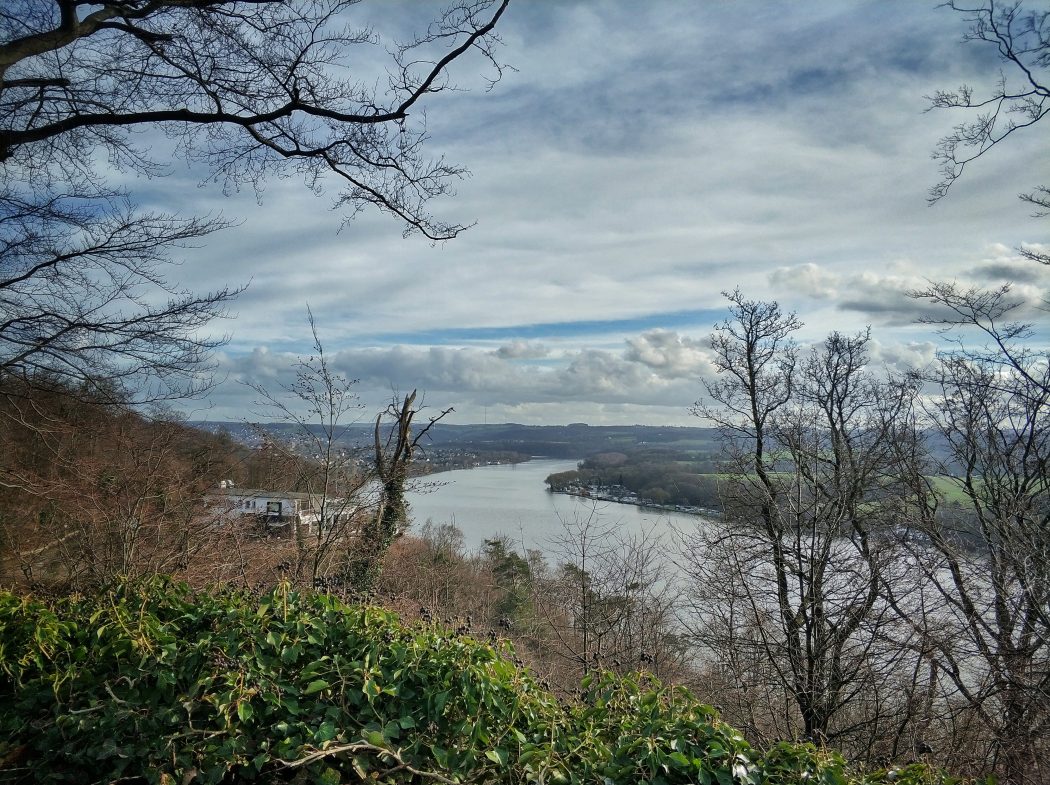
(577,440)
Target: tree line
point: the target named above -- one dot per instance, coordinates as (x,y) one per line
(656,476)
(839,586)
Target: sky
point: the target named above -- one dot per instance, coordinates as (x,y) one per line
(639,160)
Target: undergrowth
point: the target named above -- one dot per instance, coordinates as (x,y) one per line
(156,683)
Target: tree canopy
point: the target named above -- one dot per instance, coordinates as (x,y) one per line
(243,90)
(250,88)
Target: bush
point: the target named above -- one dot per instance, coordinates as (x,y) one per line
(155,683)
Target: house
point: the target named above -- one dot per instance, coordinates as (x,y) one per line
(276,509)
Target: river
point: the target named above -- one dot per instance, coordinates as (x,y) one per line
(512,500)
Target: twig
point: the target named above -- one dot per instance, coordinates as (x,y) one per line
(363,746)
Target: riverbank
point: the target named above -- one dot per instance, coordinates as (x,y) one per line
(633,501)
(438,461)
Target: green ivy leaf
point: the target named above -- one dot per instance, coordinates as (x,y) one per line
(311,668)
(498,755)
(290,654)
(316,686)
(326,732)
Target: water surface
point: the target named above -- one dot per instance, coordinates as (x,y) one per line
(512,500)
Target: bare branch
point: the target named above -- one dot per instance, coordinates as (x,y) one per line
(86,302)
(1022,39)
(269,83)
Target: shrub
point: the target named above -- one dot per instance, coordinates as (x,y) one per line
(153,682)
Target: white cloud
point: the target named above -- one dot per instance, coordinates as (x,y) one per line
(669,354)
(885,297)
(642,158)
(809,279)
(658,368)
(903,356)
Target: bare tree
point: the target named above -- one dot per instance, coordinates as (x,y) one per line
(786,590)
(85,304)
(1020,99)
(246,90)
(986,562)
(610,603)
(321,406)
(92,491)
(441,581)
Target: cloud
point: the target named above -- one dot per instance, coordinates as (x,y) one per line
(903,356)
(522,350)
(810,279)
(669,354)
(658,368)
(639,161)
(888,297)
(1022,272)
(882,296)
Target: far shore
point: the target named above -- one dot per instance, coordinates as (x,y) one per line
(633,501)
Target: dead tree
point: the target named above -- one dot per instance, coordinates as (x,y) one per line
(394,451)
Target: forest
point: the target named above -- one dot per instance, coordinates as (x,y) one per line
(655,477)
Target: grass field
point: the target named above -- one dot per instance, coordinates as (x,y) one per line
(947,489)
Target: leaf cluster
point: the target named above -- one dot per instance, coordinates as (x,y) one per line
(152,682)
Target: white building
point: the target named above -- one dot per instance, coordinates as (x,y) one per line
(276,509)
